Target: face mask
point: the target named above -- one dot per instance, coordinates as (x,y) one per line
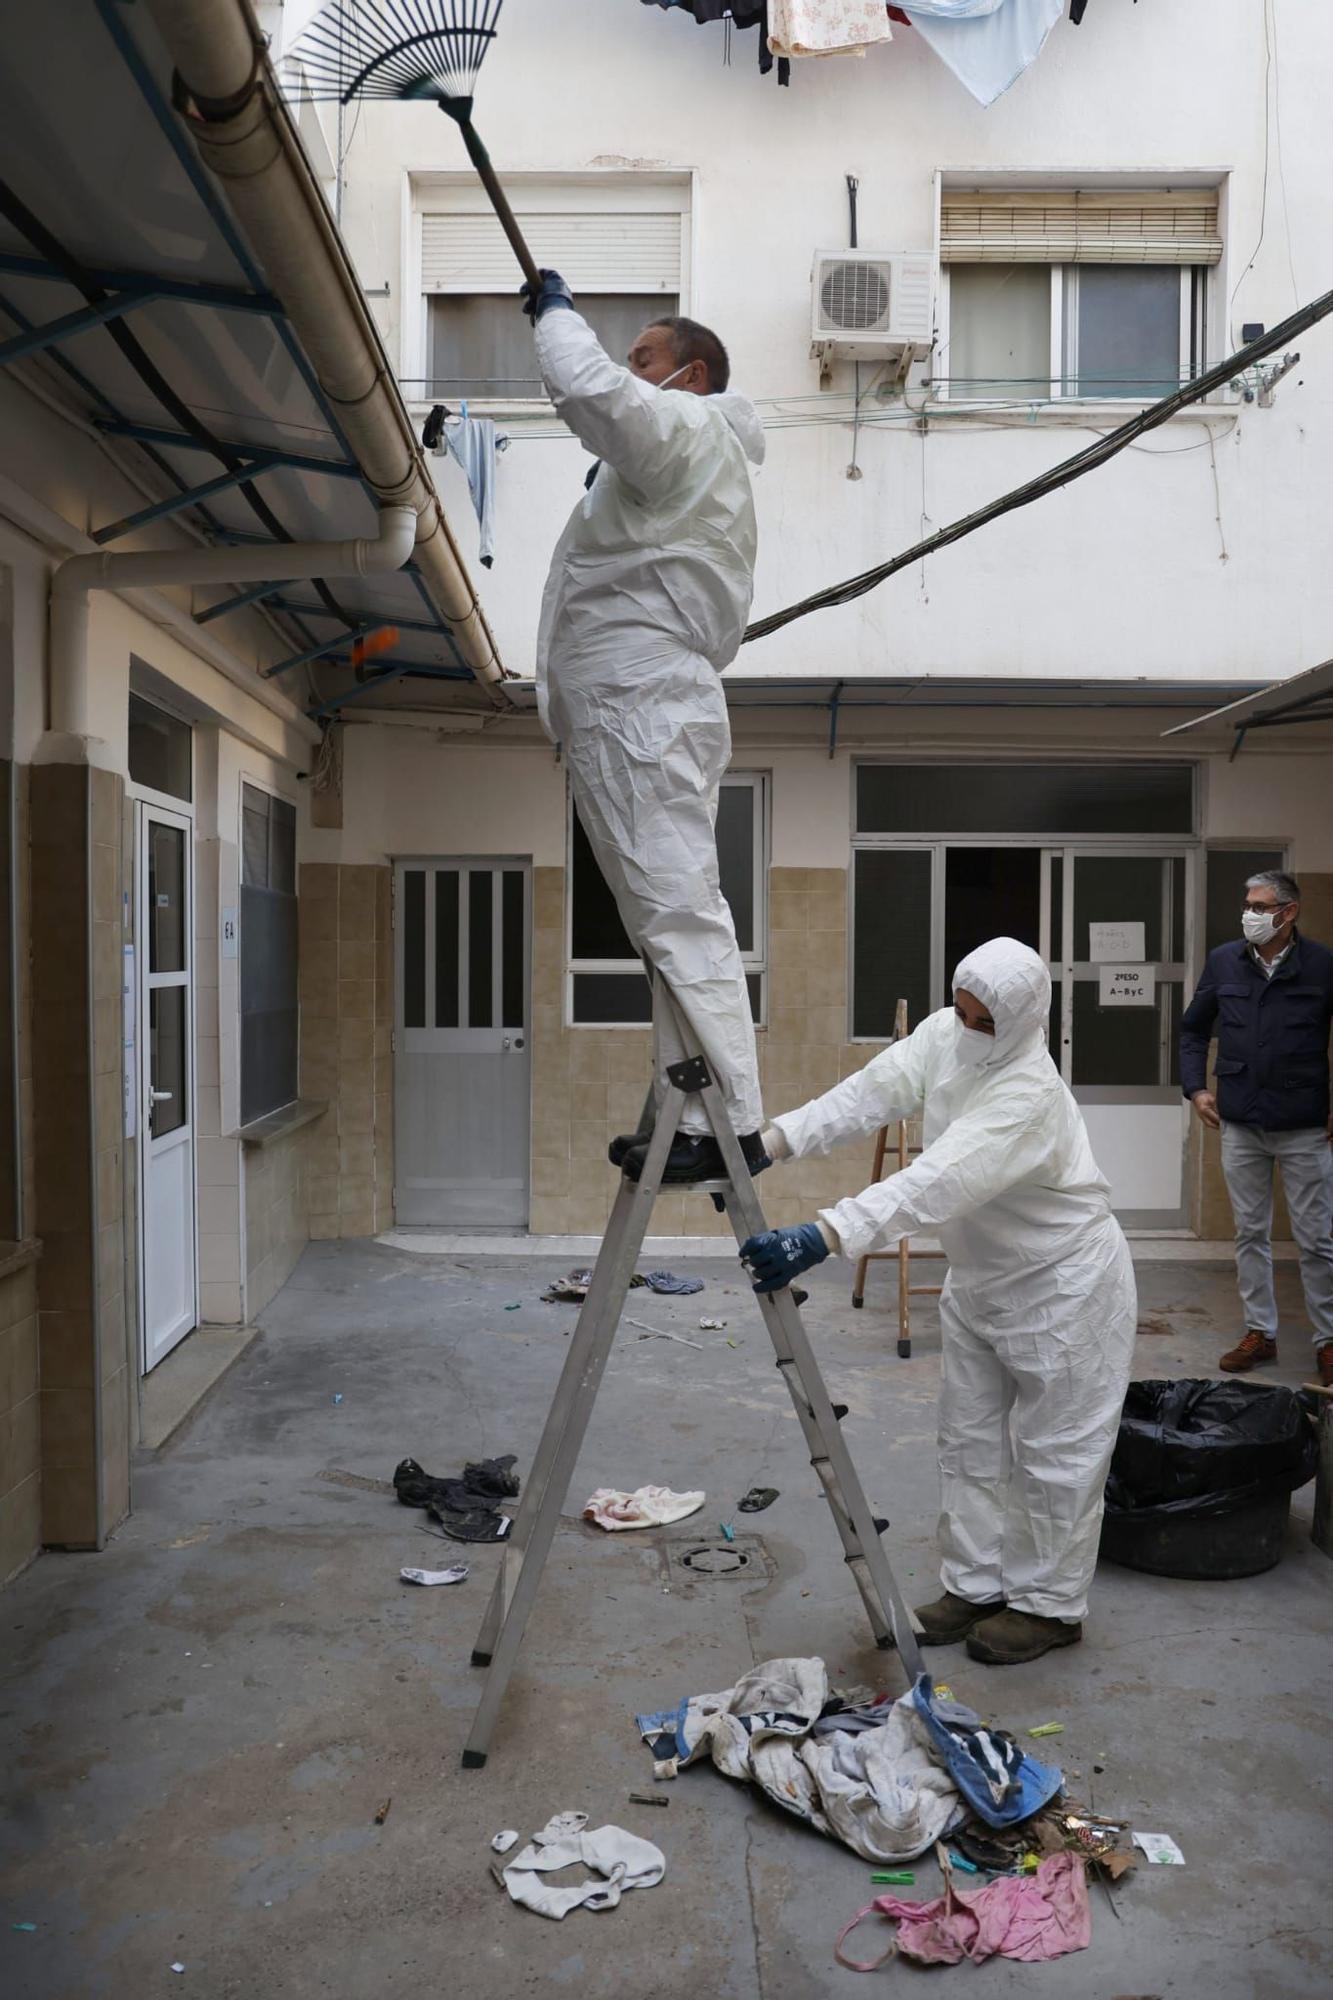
(971,1046)
(671,378)
(1259,926)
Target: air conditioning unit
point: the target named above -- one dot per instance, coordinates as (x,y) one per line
(872,306)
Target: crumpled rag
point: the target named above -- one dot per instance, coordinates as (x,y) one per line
(646,1507)
(881,1790)
(618,1861)
(1032,1917)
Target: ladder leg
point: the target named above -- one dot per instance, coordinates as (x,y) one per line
(523,1561)
(747,1219)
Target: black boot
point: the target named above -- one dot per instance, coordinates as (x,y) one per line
(625,1142)
(696,1156)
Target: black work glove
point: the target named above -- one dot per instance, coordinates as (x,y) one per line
(539,299)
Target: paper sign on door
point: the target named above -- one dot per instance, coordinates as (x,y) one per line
(1116,944)
(1127,985)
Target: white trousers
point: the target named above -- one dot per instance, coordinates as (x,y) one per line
(1029,1410)
(647,749)
(1306,1160)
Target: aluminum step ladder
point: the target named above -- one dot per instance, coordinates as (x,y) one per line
(524,1554)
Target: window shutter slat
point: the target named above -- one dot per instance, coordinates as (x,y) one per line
(1079,226)
(630,252)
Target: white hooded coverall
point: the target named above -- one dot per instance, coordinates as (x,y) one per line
(645,604)
(1038,1312)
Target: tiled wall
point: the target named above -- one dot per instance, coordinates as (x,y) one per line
(588,1084)
(277,1220)
(346,1019)
(20,1424)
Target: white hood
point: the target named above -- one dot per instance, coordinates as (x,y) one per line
(1012,981)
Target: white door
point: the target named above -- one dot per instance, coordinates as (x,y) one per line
(1117,934)
(167,1245)
(462,1070)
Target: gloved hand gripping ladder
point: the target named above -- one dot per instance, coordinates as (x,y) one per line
(524,1555)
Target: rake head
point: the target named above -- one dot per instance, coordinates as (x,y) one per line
(426,50)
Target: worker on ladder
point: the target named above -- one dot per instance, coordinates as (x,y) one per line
(1038,1313)
(645,604)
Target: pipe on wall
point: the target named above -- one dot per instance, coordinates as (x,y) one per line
(281,562)
(246,137)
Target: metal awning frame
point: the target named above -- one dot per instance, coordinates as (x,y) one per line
(129,291)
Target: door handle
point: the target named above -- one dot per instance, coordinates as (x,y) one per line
(161,1096)
(515,1042)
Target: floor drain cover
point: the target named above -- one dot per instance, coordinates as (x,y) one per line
(724,1560)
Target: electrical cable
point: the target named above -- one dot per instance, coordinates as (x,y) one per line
(1067,470)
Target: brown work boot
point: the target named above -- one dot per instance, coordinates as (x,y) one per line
(1247,1353)
(1011,1637)
(1323,1361)
(951,1618)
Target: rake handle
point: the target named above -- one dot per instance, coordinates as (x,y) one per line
(481,160)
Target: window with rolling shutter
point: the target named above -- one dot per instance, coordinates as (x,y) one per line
(608,252)
(1079,226)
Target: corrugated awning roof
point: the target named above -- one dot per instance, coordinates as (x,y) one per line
(123,268)
(1305,697)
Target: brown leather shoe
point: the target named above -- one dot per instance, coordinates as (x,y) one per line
(951,1618)
(1012,1637)
(1247,1353)
(1323,1361)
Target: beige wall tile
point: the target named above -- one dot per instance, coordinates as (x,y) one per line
(67,1428)
(356,999)
(20,1527)
(356,1156)
(220,1304)
(69,1507)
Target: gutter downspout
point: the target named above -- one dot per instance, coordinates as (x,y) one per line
(282,562)
(246,137)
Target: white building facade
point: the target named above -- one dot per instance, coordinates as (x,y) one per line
(977,745)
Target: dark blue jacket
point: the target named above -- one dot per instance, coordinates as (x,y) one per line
(1272,1036)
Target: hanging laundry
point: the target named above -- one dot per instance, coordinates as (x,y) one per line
(826,27)
(473,444)
(1030,1918)
(986,43)
(617,1860)
(647,1507)
(735,14)
(874,1782)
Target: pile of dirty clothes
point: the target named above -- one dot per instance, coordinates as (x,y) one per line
(573,1287)
(886,1777)
(469,1508)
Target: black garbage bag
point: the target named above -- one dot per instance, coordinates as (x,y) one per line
(1193,1448)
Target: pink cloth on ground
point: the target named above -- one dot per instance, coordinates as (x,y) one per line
(1029,1917)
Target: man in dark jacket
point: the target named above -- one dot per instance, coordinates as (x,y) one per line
(1269,1000)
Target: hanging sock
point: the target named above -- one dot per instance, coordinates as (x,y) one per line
(473,444)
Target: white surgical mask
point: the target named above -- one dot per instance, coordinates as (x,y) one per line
(671,378)
(971,1046)
(1259,926)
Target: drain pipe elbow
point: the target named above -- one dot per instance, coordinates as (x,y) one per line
(270,562)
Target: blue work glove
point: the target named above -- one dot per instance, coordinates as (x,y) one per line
(776,1257)
(538,299)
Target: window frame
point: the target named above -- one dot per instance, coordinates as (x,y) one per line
(608,190)
(1060,386)
(938,840)
(755,961)
(266,789)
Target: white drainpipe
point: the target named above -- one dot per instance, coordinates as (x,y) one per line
(246,136)
(277,562)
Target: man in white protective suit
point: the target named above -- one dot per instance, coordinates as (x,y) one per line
(1038,1312)
(645,604)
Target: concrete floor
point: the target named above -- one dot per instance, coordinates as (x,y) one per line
(202,1720)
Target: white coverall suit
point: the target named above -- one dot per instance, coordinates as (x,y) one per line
(1038,1312)
(645,604)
